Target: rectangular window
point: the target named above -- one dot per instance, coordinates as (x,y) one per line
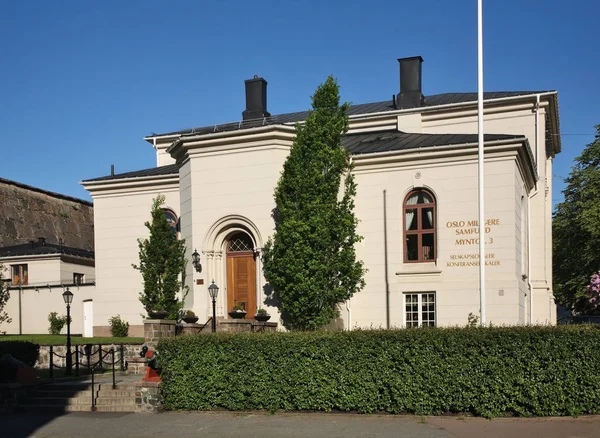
(419,309)
(19,274)
(77,278)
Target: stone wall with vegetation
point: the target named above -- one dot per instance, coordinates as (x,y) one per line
(29,213)
(491,372)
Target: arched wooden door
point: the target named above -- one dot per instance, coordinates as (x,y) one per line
(241,273)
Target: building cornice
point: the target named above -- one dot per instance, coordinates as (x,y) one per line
(129,184)
(232,139)
(377,161)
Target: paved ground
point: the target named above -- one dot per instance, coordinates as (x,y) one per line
(228,424)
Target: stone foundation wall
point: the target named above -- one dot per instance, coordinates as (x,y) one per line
(148,398)
(103,331)
(156,329)
(130,352)
(244,325)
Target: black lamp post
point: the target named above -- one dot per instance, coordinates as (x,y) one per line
(213,291)
(68,297)
(196,261)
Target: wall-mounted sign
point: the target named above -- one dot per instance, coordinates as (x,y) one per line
(467,233)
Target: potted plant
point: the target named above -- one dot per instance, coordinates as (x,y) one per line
(262,315)
(237,312)
(158,314)
(190,317)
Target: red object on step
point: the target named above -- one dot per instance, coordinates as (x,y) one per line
(151,374)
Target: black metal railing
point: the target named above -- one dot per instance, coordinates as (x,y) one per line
(93,367)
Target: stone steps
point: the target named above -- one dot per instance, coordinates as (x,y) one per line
(77,396)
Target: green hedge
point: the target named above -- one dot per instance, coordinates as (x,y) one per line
(490,372)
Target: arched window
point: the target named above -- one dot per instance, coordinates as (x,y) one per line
(239,242)
(173,220)
(419,227)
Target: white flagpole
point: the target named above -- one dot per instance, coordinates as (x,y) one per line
(480,160)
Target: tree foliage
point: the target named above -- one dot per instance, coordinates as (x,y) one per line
(310,262)
(4,296)
(576,231)
(162,264)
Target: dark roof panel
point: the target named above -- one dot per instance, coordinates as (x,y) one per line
(363,108)
(388,141)
(37,248)
(361,143)
(170,169)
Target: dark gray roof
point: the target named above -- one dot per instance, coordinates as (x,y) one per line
(387,141)
(364,108)
(153,171)
(361,143)
(39,248)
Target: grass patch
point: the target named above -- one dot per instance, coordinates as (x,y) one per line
(75,340)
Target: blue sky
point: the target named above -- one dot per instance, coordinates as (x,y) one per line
(82,83)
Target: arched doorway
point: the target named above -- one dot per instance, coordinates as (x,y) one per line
(241,272)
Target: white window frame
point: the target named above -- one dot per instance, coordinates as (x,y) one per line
(420,320)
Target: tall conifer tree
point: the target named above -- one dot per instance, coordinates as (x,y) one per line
(162,264)
(310,262)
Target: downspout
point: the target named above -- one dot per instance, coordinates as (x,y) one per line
(529,198)
(154,144)
(529,286)
(20,313)
(385,258)
(349,313)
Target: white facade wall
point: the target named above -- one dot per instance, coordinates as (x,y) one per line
(226,183)
(237,184)
(119,219)
(29,308)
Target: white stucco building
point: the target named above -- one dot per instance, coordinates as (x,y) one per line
(415,162)
(37,273)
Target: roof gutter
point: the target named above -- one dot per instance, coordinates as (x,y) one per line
(51,286)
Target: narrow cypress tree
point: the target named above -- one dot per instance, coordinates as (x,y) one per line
(162,264)
(310,262)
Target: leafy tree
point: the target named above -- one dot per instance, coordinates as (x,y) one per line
(162,264)
(4,296)
(576,231)
(310,262)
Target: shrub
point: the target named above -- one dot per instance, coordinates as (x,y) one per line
(118,327)
(524,371)
(56,323)
(25,351)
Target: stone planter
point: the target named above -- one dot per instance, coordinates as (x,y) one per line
(158,314)
(262,317)
(237,315)
(190,320)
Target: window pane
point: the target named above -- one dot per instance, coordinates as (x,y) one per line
(414,199)
(425,198)
(428,249)
(412,247)
(427,218)
(410,218)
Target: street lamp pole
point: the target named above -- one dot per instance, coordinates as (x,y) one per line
(68,297)
(213,291)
